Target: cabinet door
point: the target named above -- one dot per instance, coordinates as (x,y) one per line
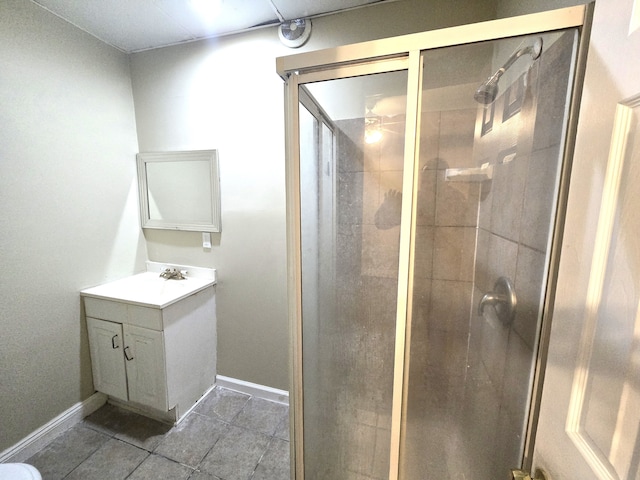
(107,363)
(144,355)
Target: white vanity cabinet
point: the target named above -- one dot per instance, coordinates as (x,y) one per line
(153,342)
(128,362)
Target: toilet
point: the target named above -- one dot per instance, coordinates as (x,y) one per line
(18,471)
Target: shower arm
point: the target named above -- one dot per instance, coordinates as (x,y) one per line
(533,50)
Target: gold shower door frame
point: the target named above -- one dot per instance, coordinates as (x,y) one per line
(380,56)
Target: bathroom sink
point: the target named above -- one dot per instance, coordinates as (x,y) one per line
(151,290)
(153,339)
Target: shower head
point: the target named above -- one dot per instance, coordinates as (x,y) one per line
(488,91)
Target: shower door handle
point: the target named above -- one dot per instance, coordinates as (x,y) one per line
(502,298)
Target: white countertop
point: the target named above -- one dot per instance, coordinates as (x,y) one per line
(151,290)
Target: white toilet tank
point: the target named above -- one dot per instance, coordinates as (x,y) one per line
(18,471)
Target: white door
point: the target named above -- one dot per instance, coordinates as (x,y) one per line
(145,361)
(589,419)
(106,344)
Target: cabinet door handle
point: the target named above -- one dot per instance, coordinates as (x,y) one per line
(126,354)
(113,342)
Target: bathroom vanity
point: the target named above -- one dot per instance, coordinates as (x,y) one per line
(153,339)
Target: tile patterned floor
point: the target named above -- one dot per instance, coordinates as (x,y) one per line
(228,436)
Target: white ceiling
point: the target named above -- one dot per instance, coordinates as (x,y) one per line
(134,25)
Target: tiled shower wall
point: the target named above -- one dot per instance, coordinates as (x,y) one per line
(515,217)
(443,281)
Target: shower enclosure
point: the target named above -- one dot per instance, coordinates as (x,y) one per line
(426,181)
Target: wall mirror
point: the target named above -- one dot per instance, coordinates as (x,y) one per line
(179,190)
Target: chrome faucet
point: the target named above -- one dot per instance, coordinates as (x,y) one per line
(172,273)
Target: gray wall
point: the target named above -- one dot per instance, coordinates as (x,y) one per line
(69,215)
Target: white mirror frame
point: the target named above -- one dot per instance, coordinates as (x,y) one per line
(211,225)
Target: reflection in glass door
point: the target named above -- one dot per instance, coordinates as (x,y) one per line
(429,190)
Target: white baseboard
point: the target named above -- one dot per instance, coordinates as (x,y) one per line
(260,391)
(41,437)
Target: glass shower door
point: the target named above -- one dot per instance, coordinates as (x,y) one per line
(490,160)
(350,197)
(424,188)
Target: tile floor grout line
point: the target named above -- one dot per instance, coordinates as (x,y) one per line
(83,460)
(247,428)
(193,469)
(138,466)
(261,457)
(212,447)
(242,409)
(112,438)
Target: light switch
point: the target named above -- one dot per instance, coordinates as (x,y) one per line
(206,240)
